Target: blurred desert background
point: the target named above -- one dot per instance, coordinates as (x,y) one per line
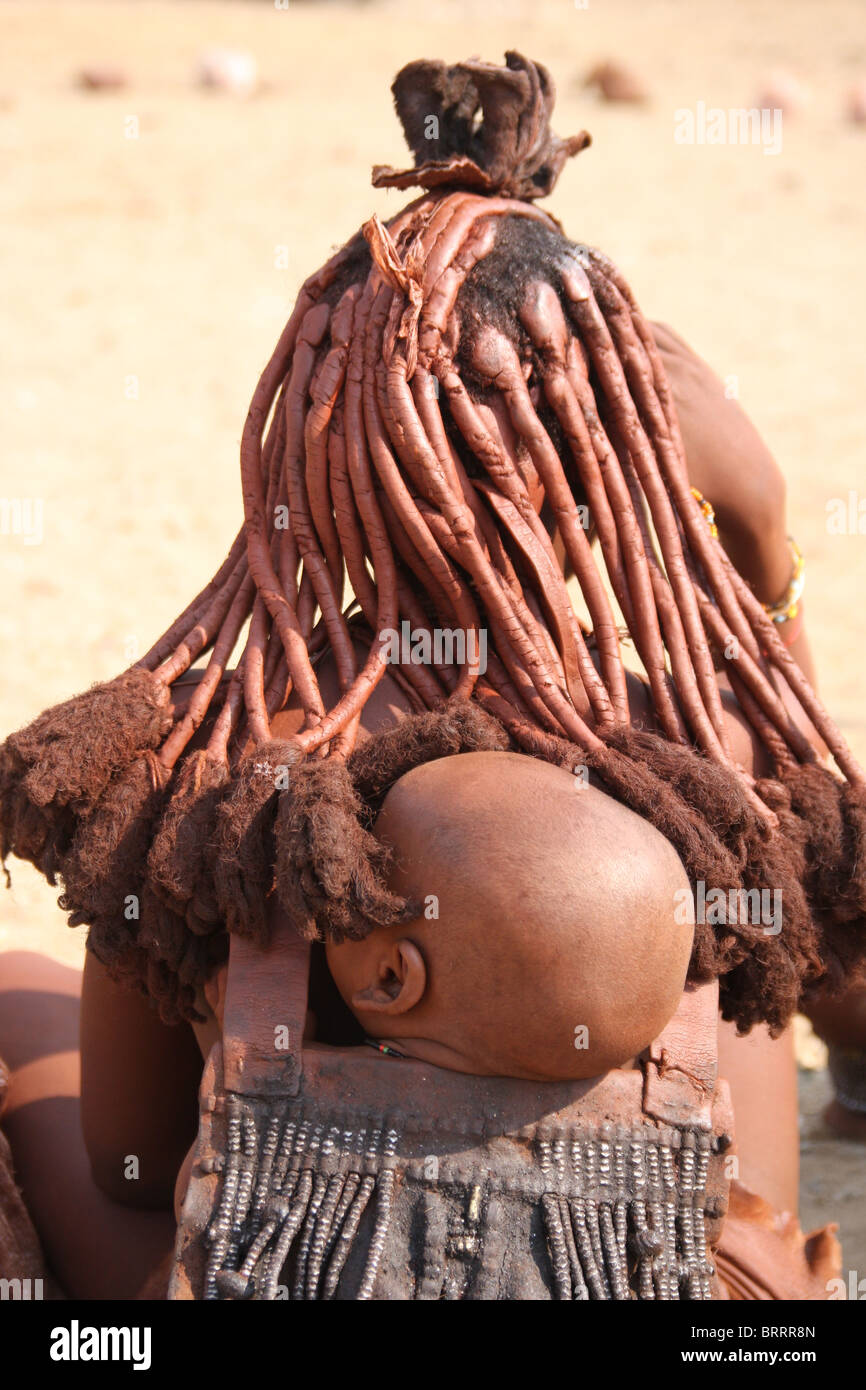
(153,236)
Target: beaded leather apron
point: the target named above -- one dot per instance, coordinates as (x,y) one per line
(337,1173)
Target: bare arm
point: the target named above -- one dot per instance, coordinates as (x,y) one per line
(139,1083)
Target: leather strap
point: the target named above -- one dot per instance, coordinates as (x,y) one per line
(681,1070)
(265,1011)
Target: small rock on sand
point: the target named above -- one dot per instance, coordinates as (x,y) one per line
(101,77)
(855,103)
(228,70)
(615,82)
(780,90)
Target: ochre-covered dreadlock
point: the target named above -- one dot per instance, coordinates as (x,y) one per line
(432,375)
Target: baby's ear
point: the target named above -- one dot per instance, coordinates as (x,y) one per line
(399,984)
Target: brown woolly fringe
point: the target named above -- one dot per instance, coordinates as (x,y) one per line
(54,771)
(104,873)
(330,870)
(460,727)
(216,847)
(242,853)
(827,818)
(183,960)
(105,865)
(176,863)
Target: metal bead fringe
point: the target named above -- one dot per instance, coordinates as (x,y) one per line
(622,1212)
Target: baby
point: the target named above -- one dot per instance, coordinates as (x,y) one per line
(546,947)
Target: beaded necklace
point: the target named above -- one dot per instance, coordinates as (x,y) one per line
(384,1048)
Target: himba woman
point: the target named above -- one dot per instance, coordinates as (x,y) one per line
(466,426)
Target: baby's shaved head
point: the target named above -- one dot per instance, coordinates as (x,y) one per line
(549,945)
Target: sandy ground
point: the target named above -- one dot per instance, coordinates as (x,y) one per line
(153,239)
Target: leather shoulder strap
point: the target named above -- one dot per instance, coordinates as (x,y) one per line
(681,1070)
(265,1011)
